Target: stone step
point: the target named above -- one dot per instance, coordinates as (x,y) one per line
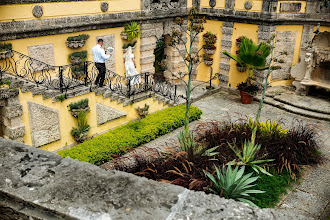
(293,109)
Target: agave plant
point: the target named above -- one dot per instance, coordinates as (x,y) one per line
(248,157)
(132,30)
(194,149)
(233,184)
(80,133)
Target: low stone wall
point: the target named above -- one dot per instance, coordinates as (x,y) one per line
(42,185)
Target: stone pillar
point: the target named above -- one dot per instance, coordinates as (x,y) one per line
(10,115)
(226,44)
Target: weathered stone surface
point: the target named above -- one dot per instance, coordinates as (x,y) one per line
(44,124)
(226,43)
(43,53)
(105,114)
(290,6)
(37,11)
(284,42)
(109,41)
(224,66)
(34,181)
(11,111)
(248,5)
(14,132)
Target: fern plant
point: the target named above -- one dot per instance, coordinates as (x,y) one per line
(233,184)
(248,157)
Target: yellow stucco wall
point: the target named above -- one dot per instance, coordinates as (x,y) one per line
(302,10)
(220,4)
(189,3)
(64,9)
(250,31)
(67,121)
(256,5)
(61,51)
(204,70)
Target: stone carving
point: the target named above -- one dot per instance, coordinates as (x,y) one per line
(105,114)
(43,53)
(164,5)
(109,41)
(285,42)
(37,11)
(290,6)
(248,5)
(44,124)
(212,3)
(104,6)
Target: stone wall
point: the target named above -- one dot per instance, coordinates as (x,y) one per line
(37,184)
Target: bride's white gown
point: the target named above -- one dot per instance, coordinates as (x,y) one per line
(131,71)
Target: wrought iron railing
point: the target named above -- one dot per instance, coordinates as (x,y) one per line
(69,77)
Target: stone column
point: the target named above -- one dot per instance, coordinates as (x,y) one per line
(10,115)
(226,44)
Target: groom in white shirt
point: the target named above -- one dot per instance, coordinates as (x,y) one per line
(100,57)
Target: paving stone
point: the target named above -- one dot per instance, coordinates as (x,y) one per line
(326,213)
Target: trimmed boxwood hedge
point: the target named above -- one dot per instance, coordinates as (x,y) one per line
(99,149)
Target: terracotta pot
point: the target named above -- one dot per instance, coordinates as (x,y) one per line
(75,44)
(246,98)
(209,51)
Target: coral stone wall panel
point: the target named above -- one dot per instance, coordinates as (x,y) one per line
(42,52)
(109,41)
(44,124)
(105,114)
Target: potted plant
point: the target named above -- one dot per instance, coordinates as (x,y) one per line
(252,56)
(239,40)
(210,38)
(80,133)
(76,107)
(133,45)
(207,60)
(77,41)
(6,50)
(78,72)
(247,91)
(131,31)
(78,57)
(209,49)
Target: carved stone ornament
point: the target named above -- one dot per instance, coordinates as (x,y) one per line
(164,5)
(248,5)
(104,6)
(37,11)
(212,3)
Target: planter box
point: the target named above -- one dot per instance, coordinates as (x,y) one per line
(123,36)
(75,60)
(241,69)
(133,49)
(75,112)
(75,44)
(81,138)
(208,62)
(238,43)
(209,51)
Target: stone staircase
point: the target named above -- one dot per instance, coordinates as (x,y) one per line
(56,95)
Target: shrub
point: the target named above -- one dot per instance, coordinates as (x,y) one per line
(99,150)
(82,54)
(5,46)
(80,37)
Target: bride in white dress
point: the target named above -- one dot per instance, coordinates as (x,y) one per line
(130,67)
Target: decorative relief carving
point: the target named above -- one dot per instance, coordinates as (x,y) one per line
(164,5)
(104,6)
(248,5)
(212,3)
(37,11)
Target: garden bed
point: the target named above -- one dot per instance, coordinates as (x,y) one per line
(285,151)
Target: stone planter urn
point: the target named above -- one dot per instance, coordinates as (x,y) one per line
(238,43)
(76,60)
(75,112)
(123,35)
(133,49)
(6,54)
(241,69)
(81,138)
(209,51)
(78,75)
(208,62)
(75,44)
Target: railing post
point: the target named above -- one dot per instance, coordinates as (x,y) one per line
(211,77)
(85,72)
(60,70)
(175,88)
(129,87)
(146,74)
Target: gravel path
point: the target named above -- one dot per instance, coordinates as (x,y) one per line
(312,196)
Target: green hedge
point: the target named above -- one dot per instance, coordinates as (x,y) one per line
(99,149)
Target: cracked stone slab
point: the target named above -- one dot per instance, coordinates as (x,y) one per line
(44,124)
(105,114)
